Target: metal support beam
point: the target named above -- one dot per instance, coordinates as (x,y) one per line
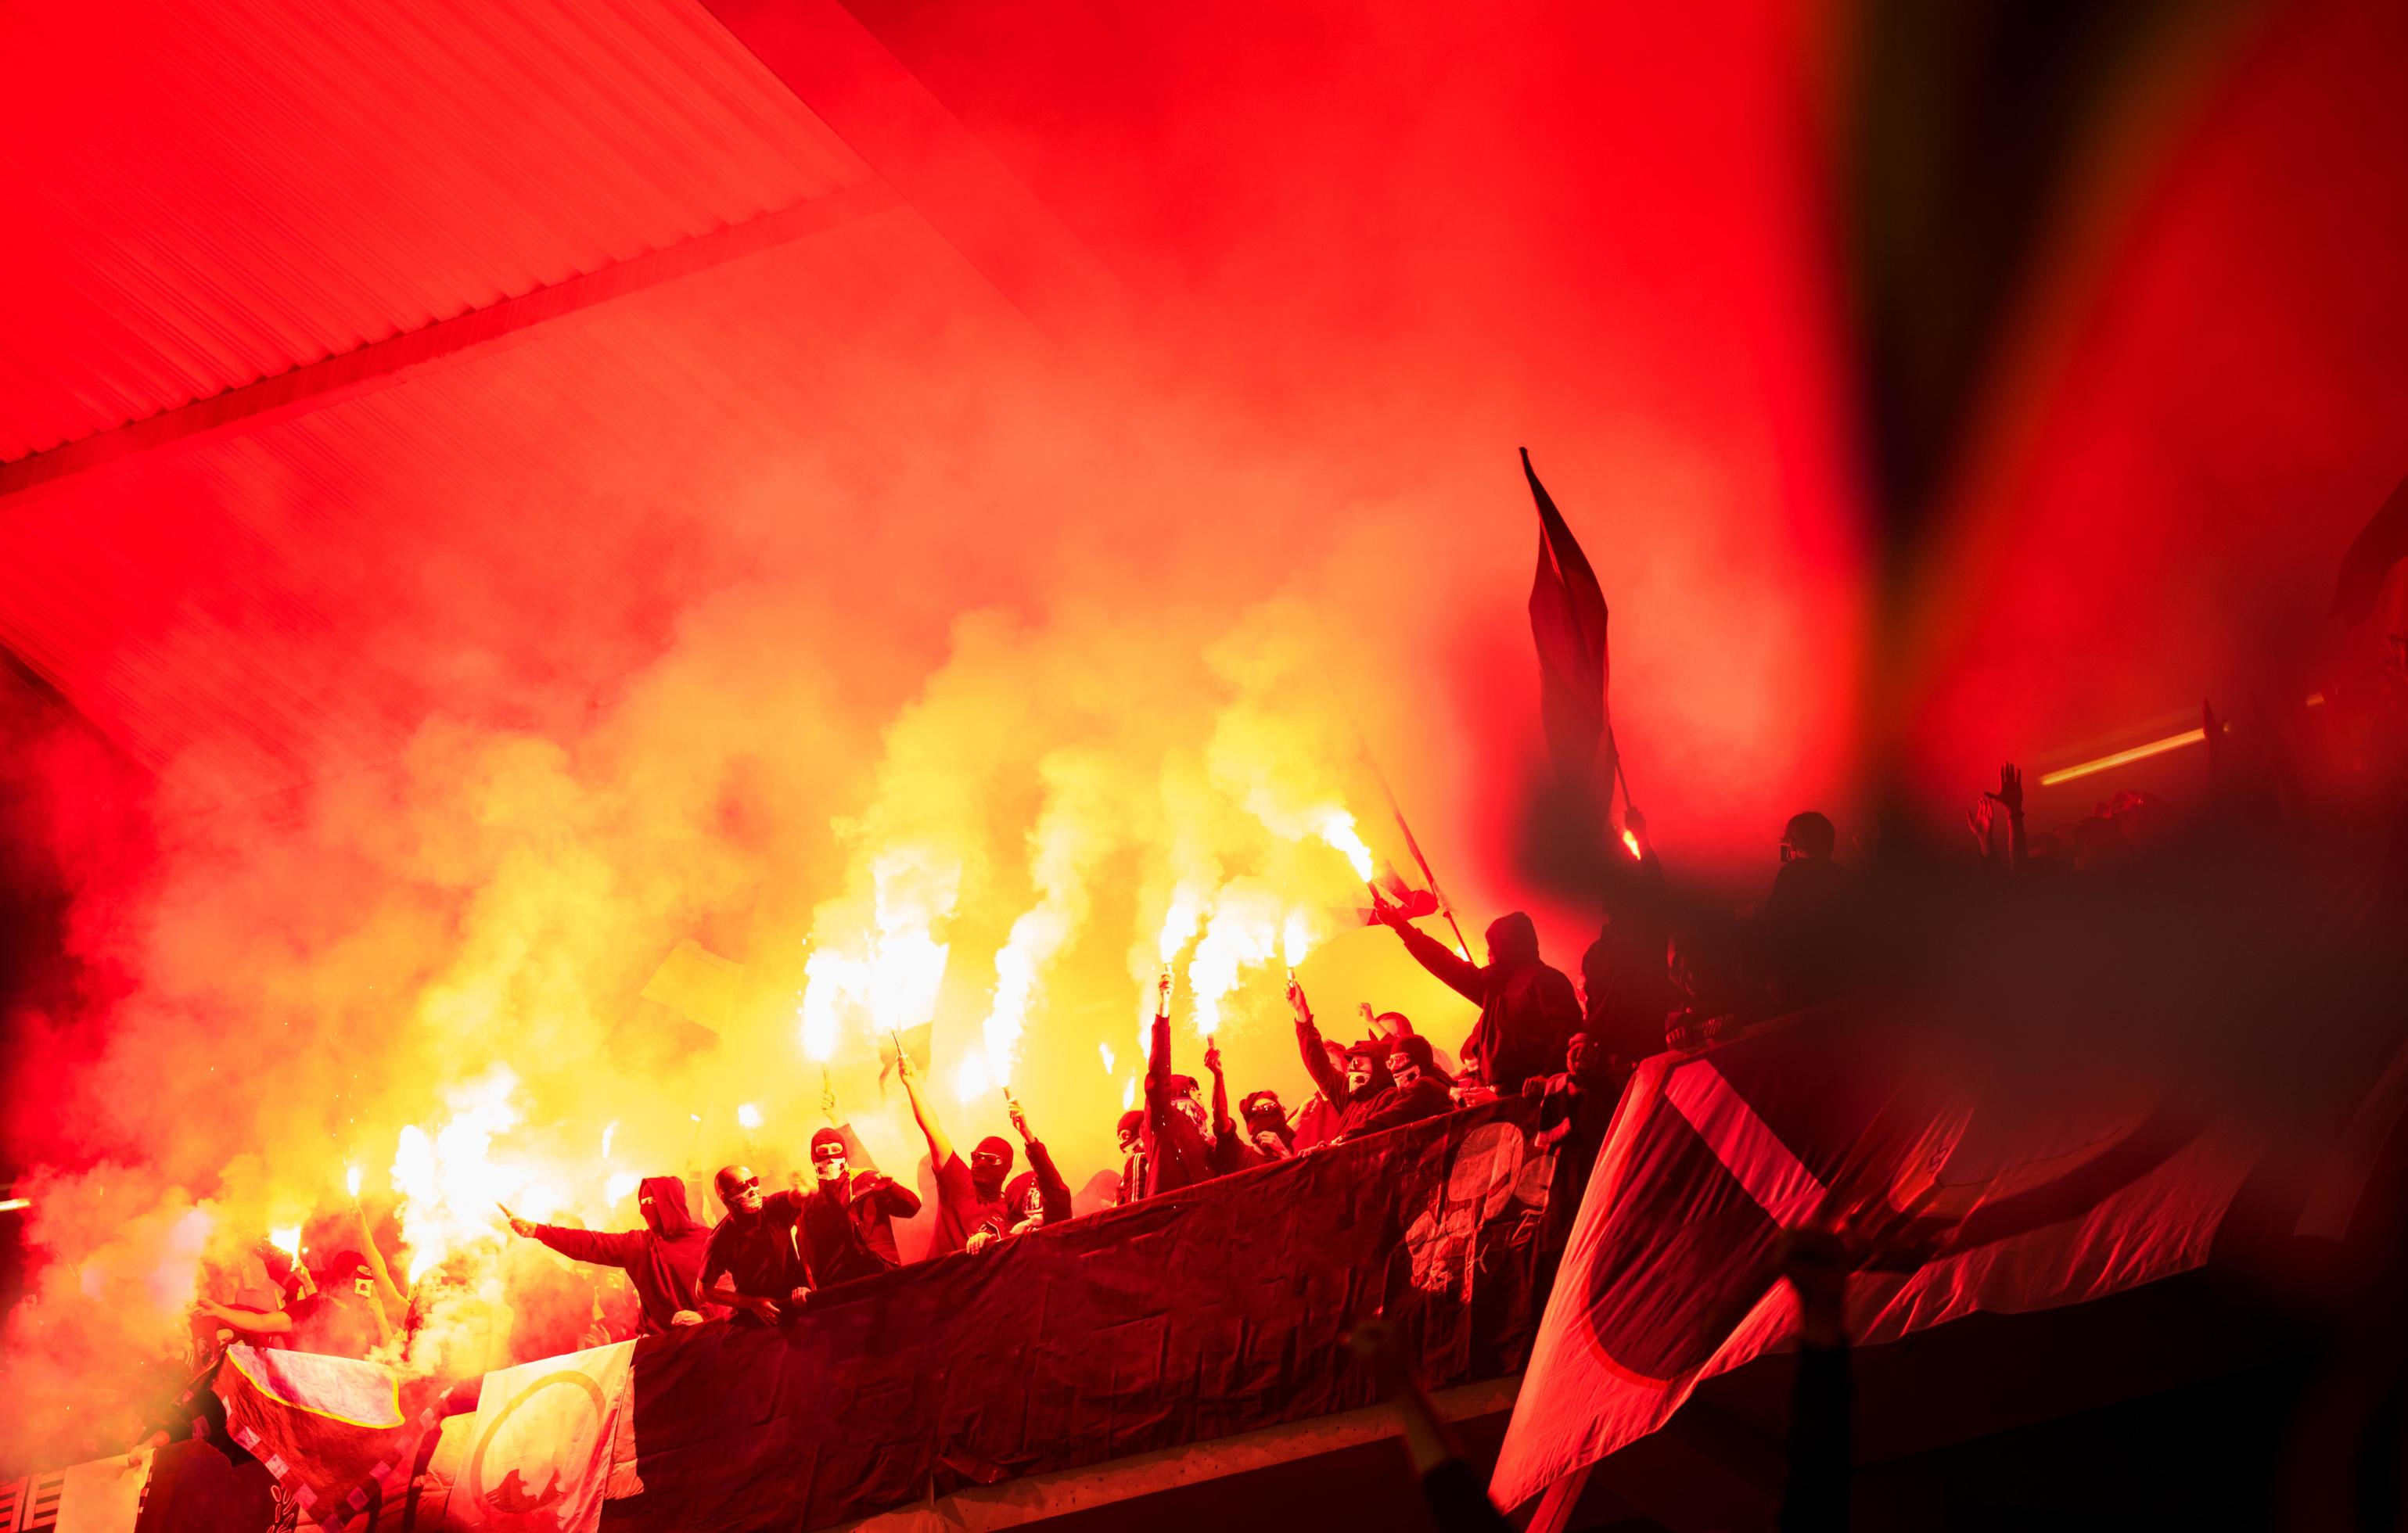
(838,69)
(374,365)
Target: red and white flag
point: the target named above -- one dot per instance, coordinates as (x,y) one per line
(538,1458)
(1669,1279)
(330,1430)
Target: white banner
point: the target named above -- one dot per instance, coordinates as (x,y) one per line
(539,1450)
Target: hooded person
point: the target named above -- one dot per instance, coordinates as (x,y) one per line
(848,1224)
(662,1260)
(753,1249)
(1178,1150)
(1316,1121)
(969,1196)
(1420,1089)
(1267,1126)
(1527,1011)
(1351,1081)
(1231,1148)
(1131,1133)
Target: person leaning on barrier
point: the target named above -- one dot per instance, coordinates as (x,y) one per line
(751,1264)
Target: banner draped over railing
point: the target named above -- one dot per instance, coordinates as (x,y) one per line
(1202,1314)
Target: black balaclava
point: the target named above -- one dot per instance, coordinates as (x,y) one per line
(823,1141)
(1132,1128)
(666,1215)
(1371,1057)
(990,1167)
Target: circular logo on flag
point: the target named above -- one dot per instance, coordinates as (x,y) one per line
(520,1461)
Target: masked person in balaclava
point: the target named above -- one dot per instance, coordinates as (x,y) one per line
(1351,1083)
(1131,1130)
(1232,1150)
(1267,1125)
(1178,1152)
(1037,1196)
(662,1260)
(753,1249)
(848,1227)
(968,1196)
(1527,1011)
(1421,1089)
(1316,1121)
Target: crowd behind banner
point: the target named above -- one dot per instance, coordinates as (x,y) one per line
(1663,974)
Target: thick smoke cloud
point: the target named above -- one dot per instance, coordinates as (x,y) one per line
(819,611)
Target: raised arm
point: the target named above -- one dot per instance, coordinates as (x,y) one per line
(1308,1043)
(1221,1126)
(1157,1058)
(941,1148)
(1458,973)
(1051,1187)
(391,1301)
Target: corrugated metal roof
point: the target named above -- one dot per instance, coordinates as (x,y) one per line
(507,536)
(202,196)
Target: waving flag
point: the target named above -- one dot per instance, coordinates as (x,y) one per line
(330,1430)
(1568,624)
(2015,1201)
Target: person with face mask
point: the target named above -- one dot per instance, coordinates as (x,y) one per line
(338,1313)
(1267,1125)
(970,1198)
(1352,1081)
(847,1225)
(1421,1089)
(1131,1131)
(1231,1151)
(1178,1152)
(1039,1196)
(662,1260)
(753,1249)
(1316,1121)
(1526,1008)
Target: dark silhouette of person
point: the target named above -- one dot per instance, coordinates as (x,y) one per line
(662,1260)
(848,1224)
(1527,1011)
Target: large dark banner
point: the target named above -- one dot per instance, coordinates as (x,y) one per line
(1202,1314)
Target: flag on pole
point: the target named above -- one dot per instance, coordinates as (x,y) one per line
(1568,624)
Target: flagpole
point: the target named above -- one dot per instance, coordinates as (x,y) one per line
(1446,908)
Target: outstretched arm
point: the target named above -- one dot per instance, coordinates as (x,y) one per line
(603,1248)
(940,1147)
(1456,972)
(251,1322)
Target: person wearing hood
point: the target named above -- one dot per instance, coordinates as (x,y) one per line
(1267,1126)
(1350,1083)
(848,1224)
(1177,1152)
(1316,1121)
(1421,1090)
(970,1198)
(1039,1196)
(1130,1130)
(662,1260)
(1527,1011)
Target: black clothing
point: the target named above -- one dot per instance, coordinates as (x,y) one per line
(1814,1497)
(1527,1011)
(757,1251)
(664,1267)
(849,1232)
(1176,1154)
(1458,1502)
